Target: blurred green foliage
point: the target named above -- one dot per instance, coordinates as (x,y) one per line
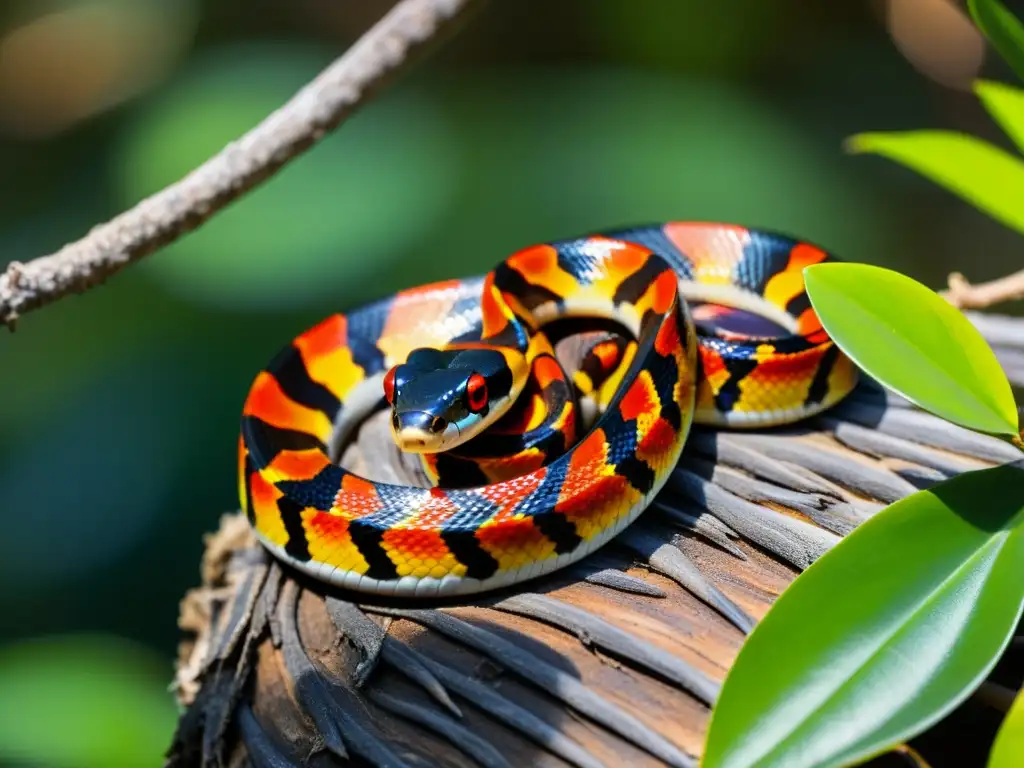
(82,701)
(1002,28)
(337,216)
(119,409)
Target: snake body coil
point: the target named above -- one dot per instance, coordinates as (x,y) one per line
(474,386)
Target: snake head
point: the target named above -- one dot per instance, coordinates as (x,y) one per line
(441,398)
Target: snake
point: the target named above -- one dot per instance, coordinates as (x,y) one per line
(518,485)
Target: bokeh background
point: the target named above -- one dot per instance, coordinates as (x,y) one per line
(119,408)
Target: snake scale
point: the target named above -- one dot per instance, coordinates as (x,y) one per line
(519,485)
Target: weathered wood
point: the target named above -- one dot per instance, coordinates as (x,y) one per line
(614,661)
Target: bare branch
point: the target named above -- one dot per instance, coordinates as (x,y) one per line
(965,295)
(319,107)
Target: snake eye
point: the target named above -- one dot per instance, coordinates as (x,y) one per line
(476,393)
(389,385)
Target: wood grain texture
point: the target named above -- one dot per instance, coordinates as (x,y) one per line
(613,661)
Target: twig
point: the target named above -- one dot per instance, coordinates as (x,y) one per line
(965,295)
(910,755)
(999,697)
(323,104)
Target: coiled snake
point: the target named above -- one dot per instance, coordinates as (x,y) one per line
(468,371)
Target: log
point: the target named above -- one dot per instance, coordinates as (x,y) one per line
(614,661)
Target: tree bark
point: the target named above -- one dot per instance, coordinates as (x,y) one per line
(615,661)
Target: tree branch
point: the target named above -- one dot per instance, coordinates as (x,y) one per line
(322,105)
(964,295)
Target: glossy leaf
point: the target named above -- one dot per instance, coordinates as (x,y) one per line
(914,342)
(1003,30)
(83,702)
(883,635)
(1006,105)
(984,175)
(1008,749)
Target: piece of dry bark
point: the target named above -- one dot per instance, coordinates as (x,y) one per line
(613,661)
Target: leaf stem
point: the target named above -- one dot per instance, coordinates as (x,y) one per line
(911,755)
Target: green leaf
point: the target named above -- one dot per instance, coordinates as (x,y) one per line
(984,175)
(914,342)
(1006,105)
(84,702)
(1003,30)
(883,635)
(1009,743)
